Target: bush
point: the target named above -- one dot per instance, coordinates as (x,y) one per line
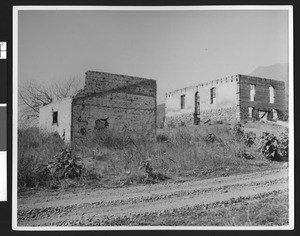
(273,148)
(162,138)
(249,138)
(284,145)
(150,176)
(66,165)
(238,131)
(244,154)
(284,115)
(212,138)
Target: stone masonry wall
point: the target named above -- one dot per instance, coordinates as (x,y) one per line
(230,114)
(122,103)
(262,96)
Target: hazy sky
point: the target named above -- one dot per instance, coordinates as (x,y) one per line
(176,48)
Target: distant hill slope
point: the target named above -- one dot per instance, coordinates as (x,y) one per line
(277,72)
(160,114)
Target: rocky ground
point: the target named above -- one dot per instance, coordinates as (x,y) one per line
(155,204)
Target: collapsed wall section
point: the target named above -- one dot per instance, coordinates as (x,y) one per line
(122,103)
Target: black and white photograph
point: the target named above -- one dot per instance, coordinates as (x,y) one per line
(153,118)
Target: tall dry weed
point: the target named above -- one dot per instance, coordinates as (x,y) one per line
(34,150)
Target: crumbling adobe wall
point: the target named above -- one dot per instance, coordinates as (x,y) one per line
(63,125)
(262,96)
(122,103)
(223,108)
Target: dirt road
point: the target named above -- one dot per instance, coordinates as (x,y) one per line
(123,205)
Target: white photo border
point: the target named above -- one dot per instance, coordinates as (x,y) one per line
(16,10)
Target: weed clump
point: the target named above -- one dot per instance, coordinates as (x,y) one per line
(248,138)
(35,149)
(66,165)
(162,138)
(273,148)
(150,176)
(244,154)
(238,131)
(212,138)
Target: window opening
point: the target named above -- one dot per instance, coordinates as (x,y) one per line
(182,101)
(271,93)
(54,117)
(252,92)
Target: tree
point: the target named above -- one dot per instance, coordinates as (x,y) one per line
(32,96)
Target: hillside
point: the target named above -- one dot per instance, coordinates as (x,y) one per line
(275,71)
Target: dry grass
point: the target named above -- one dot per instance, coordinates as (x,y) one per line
(34,150)
(179,152)
(112,159)
(269,211)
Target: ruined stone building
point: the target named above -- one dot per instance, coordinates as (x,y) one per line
(234,98)
(122,103)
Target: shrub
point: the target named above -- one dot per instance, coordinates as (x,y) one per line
(238,132)
(66,165)
(212,138)
(273,148)
(284,115)
(249,138)
(269,146)
(162,138)
(284,145)
(150,176)
(244,154)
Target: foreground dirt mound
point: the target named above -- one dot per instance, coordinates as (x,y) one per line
(124,205)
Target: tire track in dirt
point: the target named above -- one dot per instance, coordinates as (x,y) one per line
(133,201)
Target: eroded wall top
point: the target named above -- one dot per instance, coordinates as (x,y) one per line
(100,82)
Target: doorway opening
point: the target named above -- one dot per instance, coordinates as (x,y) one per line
(197,109)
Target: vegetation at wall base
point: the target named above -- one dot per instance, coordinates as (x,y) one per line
(111,159)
